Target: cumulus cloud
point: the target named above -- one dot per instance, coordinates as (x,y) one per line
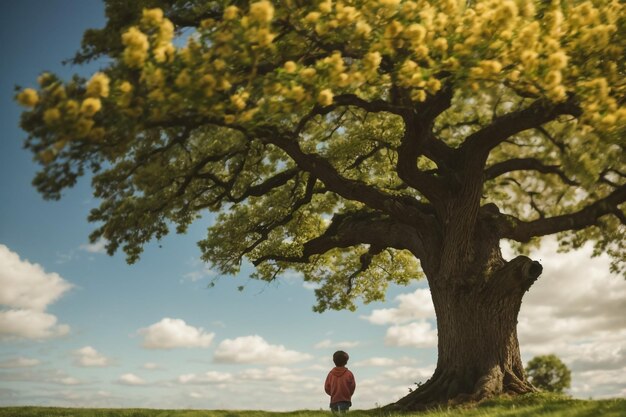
(26,290)
(130,379)
(254,349)
(576,310)
(98,246)
(386,362)
(174,333)
(327,343)
(151,366)
(413,306)
(210,377)
(89,357)
(273,374)
(419,334)
(407,374)
(19,362)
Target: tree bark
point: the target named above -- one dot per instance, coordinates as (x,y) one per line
(478,351)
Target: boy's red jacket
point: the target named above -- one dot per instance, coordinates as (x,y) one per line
(340,384)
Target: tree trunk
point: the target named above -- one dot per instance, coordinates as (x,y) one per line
(478,351)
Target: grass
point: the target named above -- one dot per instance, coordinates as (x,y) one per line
(543,405)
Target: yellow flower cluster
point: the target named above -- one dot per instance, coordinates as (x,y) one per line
(261,11)
(51,116)
(98,85)
(231,13)
(325,97)
(90,106)
(28,97)
(137,46)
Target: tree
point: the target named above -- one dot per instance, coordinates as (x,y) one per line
(359,142)
(549,373)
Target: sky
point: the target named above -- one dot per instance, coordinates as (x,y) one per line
(81,328)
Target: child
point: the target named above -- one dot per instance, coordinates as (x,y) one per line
(340,383)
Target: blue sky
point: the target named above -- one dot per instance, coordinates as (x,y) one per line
(80,328)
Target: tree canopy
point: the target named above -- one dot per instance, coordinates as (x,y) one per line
(549,373)
(355,141)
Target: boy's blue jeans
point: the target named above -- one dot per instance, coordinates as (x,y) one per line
(340,407)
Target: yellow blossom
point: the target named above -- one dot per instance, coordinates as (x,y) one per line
(325,97)
(90,106)
(441,45)
(326,6)
(183,79)
(557,93)
(229,119)
(137,46)
(553,78)
(239,100)
(231,12)
(308,74)
(297,93)
(290,67)
(433,85)
(491,67)
(98,85)
(372,60)
(152,17)
(50,116)
(125,87)
(28,97)
(312,17)
(557,60)
(418,95)
(262,11)
(71,107)
(44,79)
(84,125)
(362,28)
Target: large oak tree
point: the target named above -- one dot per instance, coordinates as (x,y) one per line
(360,142)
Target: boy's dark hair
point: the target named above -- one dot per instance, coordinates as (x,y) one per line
(340,358)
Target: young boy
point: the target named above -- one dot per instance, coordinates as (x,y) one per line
(340,383)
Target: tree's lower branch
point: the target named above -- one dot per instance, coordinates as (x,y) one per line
(522,231)
(525,164)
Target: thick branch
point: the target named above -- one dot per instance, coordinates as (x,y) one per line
(522,231)
(525,164)
(357,228)
(503,127)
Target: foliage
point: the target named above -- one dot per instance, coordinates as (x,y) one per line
(540,405)
(548,372)
(353,141)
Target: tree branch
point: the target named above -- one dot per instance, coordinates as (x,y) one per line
(525,164)
(501,128)
(357,228)
(522,231)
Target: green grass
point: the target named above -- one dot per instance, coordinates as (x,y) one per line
(533,405)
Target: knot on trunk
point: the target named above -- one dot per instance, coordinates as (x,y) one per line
(518,274)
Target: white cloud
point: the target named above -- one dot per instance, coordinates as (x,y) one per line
(19,362)
(174,333)
(30,324)
(327,343)
(89,357)
(130,379)
(273,374)
(210,377)
(98,246)
(26,290)
(151,366)
(419,334)
(386,362)
(254,349)
(413,306)
(409,375)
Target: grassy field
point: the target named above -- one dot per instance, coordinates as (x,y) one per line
(528,406)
